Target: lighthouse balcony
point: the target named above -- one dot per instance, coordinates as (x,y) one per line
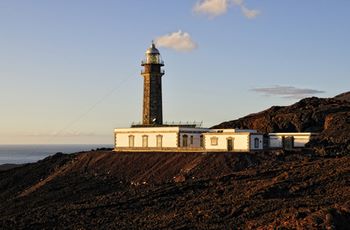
(149,62)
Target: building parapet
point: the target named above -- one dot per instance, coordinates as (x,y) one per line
(193,124)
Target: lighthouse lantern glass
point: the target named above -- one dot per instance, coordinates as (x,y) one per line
(153,58)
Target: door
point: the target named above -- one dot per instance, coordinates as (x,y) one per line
(288,142)
(229,145)
(184,140)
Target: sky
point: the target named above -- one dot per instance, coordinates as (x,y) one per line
(70,70)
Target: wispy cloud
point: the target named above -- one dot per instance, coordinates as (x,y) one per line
(212,8)
(179,41)
(287,91)
(248,13)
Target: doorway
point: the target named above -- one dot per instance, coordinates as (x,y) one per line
(288,142)
(184,140)
(229,144)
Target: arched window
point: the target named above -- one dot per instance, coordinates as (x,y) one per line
(159,141)
(214,141)
(144,141)
(184,140)
(191,140)
(131,140)
(256,143)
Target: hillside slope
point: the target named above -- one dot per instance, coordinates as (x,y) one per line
(104,189)
(307,115)
(327,116)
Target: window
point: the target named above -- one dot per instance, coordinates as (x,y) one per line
(214,141)
(191,140)
(144,141)
(131,141)
(256,143)
(184,140)
(201,141)
(159,141)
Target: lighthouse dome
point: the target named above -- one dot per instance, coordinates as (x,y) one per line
(152,56)
(152,49)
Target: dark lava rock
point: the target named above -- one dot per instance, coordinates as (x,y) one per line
(108,190)
(307,115)
(343,97)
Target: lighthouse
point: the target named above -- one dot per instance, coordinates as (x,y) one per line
(155,136)
(152,87)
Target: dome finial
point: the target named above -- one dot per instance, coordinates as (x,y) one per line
(153,45)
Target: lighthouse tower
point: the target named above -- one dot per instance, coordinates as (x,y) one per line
(152,87)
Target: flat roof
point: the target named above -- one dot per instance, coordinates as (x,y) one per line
(292,134)
(160,129)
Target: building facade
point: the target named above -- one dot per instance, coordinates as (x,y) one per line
(187,139)
(233,140)
(158,138)
(289,140)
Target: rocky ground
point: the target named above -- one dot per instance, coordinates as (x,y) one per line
(103,189)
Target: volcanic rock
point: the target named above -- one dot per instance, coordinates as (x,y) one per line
(108,190)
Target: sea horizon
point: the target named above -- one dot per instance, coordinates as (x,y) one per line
(29,153)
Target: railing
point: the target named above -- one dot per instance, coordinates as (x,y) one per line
(193,124)
(144,62)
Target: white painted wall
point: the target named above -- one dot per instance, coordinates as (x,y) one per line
(300,139)
(240,141)
(275,141)
(169,140)
(170,136)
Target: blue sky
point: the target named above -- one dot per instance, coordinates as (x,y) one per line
(70,70)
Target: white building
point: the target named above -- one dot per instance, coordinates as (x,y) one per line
(289,140)
(235,140)
(158,138)
(187,139)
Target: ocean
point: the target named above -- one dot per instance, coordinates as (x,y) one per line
(20,154)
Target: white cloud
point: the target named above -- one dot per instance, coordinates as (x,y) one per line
(287,91)
(248,13)
(212,8)
(179,41)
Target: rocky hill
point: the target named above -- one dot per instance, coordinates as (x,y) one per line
(105,190)
(344,96)
(327,116)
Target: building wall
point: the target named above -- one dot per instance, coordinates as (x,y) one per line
(196,140)
(169,140)
(260,143)
(300,139)
(172,137)
(275,141)
(240,141)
